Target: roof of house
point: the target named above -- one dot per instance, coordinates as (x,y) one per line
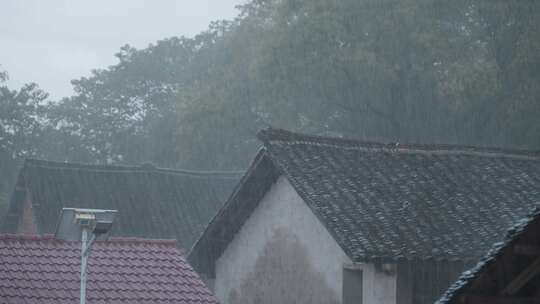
(387,201)
(469,282)
(40,269)
(152,202)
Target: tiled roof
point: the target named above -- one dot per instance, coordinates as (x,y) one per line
(392,201)
(465,281)
(152,202)
(40,269)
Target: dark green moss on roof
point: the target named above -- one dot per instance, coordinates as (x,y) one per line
(152,202)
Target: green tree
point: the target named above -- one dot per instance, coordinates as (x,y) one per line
(425,71)
(20,128)
(126,113)
(410,71)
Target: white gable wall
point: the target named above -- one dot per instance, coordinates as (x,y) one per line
(282,226)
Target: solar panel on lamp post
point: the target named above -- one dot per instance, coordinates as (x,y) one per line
(84,225)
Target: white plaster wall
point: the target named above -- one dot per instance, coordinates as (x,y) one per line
(282,207)
(379,287)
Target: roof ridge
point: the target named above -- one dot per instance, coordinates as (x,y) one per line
(138,240)
(25,237)
(111,240)
(270,135)
(125,168)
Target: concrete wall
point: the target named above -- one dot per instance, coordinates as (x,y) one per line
(283,254)
(379,283)
(27,223)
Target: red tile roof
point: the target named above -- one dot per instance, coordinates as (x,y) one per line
(40,269)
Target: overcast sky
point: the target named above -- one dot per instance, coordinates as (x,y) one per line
(54,41)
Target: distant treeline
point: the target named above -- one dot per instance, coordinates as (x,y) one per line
(429,71)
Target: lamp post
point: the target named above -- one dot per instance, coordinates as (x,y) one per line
(84,262)
(85,225)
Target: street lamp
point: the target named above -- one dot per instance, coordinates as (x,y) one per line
(76,225)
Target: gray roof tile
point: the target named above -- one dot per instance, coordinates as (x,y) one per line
(408,201)
(465,281)
(152,202)
(388,201)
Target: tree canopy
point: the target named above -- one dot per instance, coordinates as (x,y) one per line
(20,129)
(463,72)
(429,71)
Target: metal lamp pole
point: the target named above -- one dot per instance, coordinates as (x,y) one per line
(85,252)
(84,260)
(85,225)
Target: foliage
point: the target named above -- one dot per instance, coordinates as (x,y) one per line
(126,113)
(20,129)
(428,71)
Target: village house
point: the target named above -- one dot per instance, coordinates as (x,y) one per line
(508,273)
(152,202)
(329,220)
(42,269)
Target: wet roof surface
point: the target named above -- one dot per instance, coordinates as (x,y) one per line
(40,269)
(390,201)
(408,201)
(465,281)
(152,202)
